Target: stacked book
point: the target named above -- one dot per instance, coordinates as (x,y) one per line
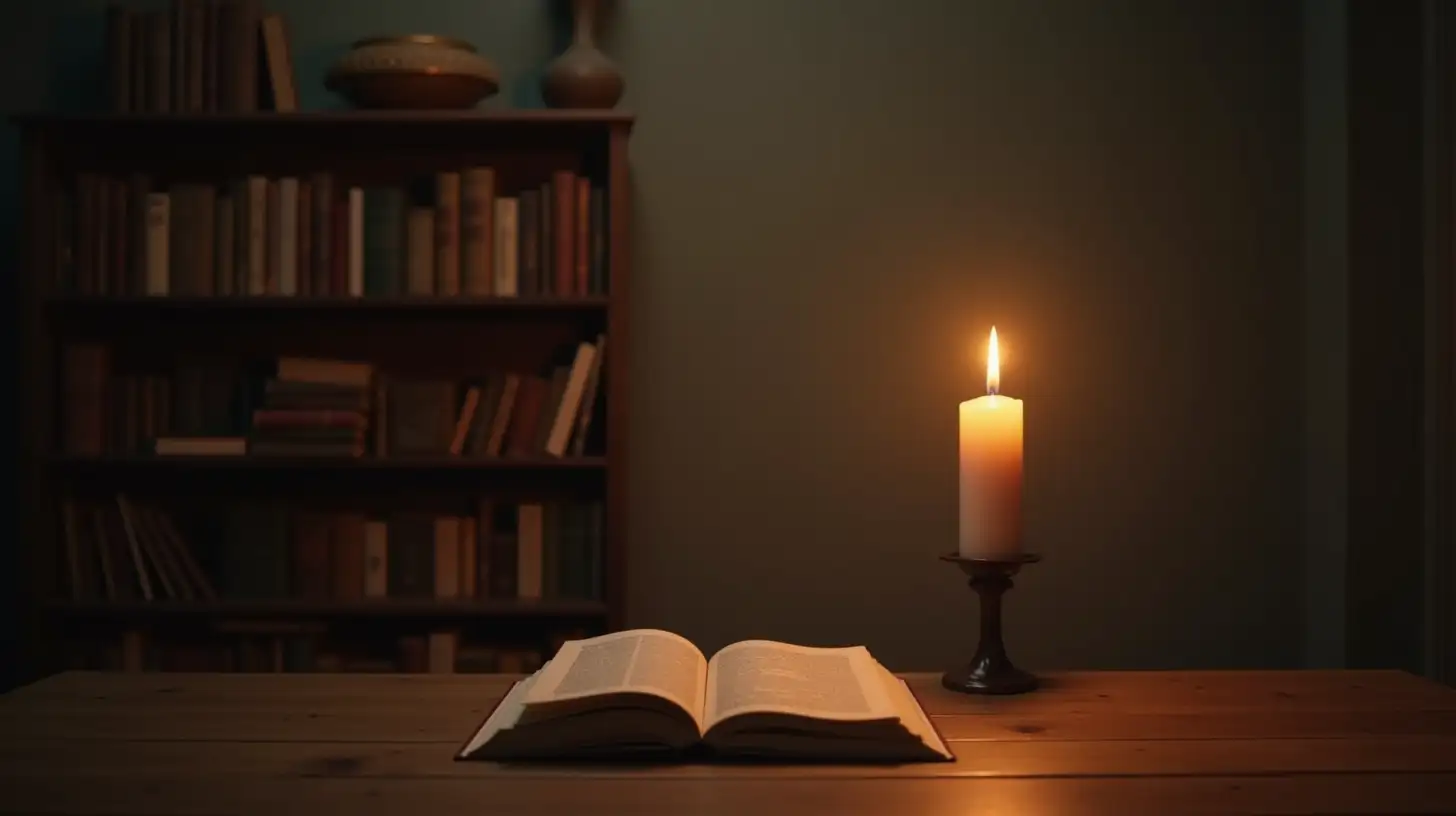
(314,408)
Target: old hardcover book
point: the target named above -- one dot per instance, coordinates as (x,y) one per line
(447,234)
(477,230)
(646,691)
(278,64)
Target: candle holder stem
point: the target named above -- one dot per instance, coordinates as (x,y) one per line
(990,671)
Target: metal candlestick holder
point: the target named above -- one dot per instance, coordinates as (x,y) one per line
(990,670)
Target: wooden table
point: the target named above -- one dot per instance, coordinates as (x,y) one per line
(1127,743)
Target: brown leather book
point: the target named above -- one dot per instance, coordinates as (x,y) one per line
(563,229)
(526,416)
(348,541)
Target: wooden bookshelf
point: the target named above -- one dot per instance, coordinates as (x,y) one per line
(142,307)
(543,123)
(131,466)
(294,609)
(470,340)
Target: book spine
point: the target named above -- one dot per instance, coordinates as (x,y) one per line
(477,226)
(224,246)
(420,243)
(321,227)
(384,241)
(355,237)
(285,221)
(158,243)
(506,246)
(447,234)
(256,248)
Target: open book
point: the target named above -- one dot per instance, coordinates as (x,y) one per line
(647,691)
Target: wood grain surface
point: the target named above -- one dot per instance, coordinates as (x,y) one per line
(1100,742)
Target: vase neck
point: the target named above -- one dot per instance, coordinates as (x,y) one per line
(583,21)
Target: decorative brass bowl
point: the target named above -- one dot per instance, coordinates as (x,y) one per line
(413,72)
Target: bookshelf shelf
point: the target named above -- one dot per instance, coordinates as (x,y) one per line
(257,306)
(545,119)
(293,609)
(131,465)
(354,139)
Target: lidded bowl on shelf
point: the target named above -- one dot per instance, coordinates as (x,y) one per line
(413,72)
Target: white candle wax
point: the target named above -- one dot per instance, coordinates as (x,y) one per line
(990,470)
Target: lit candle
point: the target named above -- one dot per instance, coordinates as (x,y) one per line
(990,474)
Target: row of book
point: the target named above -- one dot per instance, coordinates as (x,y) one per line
(451,234)
(306,407)
(197,56)
(121,549)
(309,648)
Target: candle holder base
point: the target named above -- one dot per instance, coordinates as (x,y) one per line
(990,671)
(984,678)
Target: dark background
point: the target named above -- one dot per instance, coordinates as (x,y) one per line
(1196,226)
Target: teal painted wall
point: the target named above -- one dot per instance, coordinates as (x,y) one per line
(834,202)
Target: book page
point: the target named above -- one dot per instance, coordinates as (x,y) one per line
(824,683)
(916,721)
(649,661)
(505,715)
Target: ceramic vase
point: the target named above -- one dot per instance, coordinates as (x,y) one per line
(582,76)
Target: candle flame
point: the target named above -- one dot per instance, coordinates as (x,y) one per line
(993,366)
